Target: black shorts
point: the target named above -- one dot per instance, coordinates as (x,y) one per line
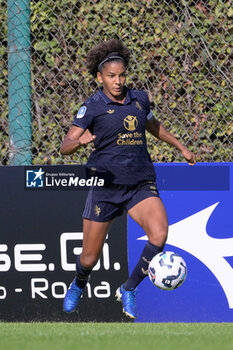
(105,203)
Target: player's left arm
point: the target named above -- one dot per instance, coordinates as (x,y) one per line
(160,132)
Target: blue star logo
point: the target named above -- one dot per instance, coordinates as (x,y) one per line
(35,179)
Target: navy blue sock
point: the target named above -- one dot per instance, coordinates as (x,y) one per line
(141,269)
(81,274)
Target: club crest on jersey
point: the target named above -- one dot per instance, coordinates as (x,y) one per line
(110,111)
(81,112)
(130,122)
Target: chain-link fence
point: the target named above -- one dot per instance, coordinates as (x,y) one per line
(182,55)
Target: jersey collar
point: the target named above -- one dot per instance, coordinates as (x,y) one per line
(129,97)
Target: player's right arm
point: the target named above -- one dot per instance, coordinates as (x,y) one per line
(74,139)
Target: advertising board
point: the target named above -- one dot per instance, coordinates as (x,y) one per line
(199,204)
(41,235)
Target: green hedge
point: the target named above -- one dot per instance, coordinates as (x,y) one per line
(182,55)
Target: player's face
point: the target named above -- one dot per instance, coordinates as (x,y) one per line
(112,77)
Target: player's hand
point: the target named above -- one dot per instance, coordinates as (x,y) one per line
(86,137)
(189,156)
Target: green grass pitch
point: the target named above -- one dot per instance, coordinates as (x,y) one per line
(120,336)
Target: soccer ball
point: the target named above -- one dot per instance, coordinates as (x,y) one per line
(167,270)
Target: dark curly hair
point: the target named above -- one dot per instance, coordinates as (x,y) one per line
(96,55)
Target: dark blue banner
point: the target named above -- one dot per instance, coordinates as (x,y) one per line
(41,235)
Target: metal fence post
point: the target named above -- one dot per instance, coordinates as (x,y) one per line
(19,83)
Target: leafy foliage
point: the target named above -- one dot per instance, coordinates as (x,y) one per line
(182,55)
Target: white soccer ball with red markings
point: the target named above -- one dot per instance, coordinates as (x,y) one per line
(167,270)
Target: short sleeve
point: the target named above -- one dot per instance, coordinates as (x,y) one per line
(146,102)
(84,117)
(149,113)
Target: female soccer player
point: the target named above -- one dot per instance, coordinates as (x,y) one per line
(117,118)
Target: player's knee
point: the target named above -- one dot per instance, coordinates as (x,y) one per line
(162,236)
